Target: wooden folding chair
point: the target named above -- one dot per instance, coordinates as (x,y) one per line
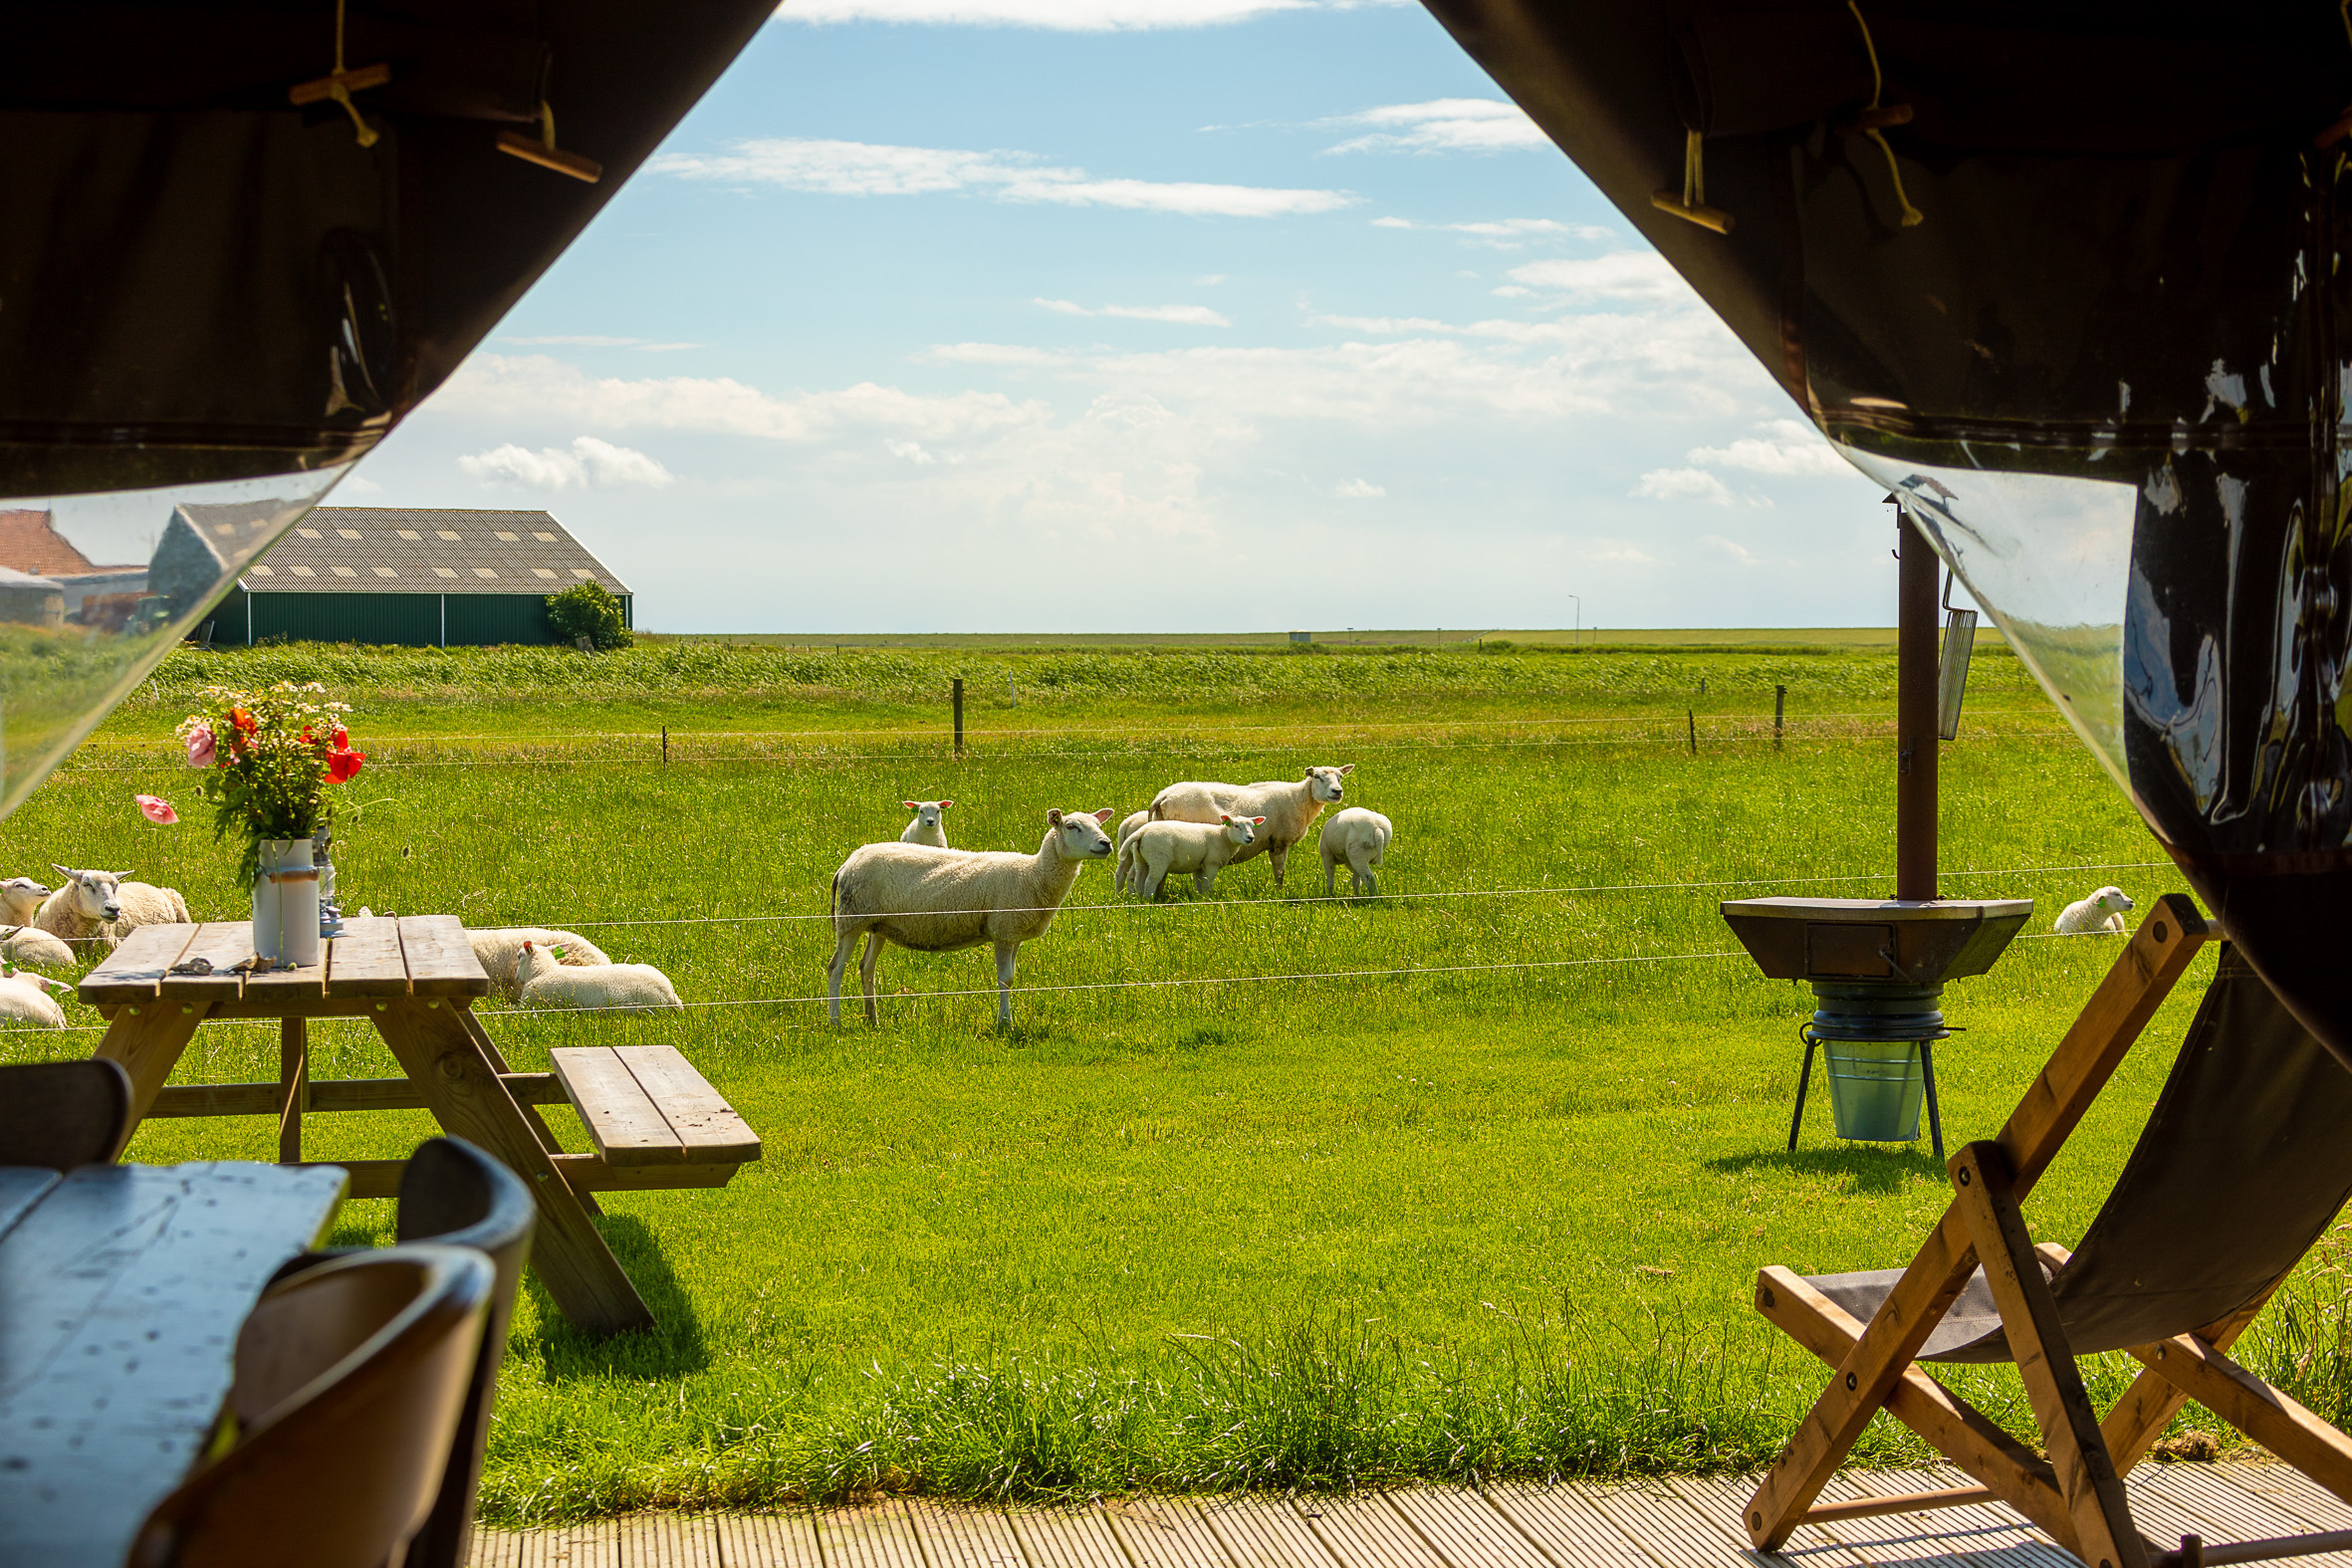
(2243,1163)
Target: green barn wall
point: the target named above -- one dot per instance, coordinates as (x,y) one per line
(409,619)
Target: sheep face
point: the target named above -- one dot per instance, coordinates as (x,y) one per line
(2112,901)
(1242,829)
(1079,835)
(23,894)
(1325,784)
(927,811)
(95,893)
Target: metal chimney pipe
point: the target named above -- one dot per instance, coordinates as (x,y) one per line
(1917,721)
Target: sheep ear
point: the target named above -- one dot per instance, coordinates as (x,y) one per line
(1259,821)
(68,873)
(1103,816)
(1350,768)
(119,876)
(907,806)
(1054,818)
(1222,817)
(944,804)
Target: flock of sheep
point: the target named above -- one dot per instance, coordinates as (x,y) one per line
(921,894)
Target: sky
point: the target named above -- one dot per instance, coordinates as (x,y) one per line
(1137,316)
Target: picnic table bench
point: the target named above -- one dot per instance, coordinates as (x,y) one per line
(653,1120)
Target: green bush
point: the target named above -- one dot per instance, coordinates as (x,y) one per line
(588,610)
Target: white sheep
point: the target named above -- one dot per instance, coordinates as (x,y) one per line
(500,951)
(944,900)
(1288,808)
(32,945)
(24,999)
(543,980)
(1360,839)
(1125,873)
(1201,848)
(106,904)
(926,829)
(2098,915)
(20,899)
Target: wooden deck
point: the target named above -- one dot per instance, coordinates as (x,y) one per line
(1684,1522)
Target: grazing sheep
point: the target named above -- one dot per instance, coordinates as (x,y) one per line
(1289,808)
(926,829)
(1201,848)
(1360,839)
(544,981)
(32,945)
(944,900)
(106,904)
(498,951)
(2097,915)
(1125,873)
(24,999)
(20,899)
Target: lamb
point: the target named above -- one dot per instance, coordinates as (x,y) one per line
(32,945)
(1360,839)
(498,951)
(102,905)
(2098,915)
(544,981)
(24,999)
(945,900)
(926,829)
(1159,849)
(1125,873)
(1288,809)
(20,899)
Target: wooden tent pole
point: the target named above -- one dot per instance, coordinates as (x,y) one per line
(1916,719)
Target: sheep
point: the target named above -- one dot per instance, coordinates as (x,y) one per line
(20,899)
(1289,808)
(926,829)
(24,999)
(1160,848)
(102,905)
(32,945)
(1360,839)
(944,900)
(500,950)
(544,981)
(1125,873)
(2098,915)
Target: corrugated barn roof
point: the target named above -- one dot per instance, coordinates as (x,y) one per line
(397,549)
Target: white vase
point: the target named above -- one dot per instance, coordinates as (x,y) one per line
(286,903)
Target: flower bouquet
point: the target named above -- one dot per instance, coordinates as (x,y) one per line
(266,760)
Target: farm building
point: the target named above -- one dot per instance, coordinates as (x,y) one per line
(393,574)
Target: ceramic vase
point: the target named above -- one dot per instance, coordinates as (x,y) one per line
(286,903)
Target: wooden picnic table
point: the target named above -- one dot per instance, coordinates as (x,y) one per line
(655,1124)
(121,1291)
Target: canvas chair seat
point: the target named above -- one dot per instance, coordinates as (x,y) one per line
(2243,1163)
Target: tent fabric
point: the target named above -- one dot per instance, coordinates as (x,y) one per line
(200,281)
(2242,1165)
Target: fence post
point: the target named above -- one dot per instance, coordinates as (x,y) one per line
(1780,706)
(666,746)
(959,699)
(1693,719)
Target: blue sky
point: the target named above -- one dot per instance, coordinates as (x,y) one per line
(1137,315)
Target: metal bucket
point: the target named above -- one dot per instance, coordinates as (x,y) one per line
(1875,1089)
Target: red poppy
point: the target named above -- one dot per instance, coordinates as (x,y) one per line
(342,765)
(241,721)
(343,739)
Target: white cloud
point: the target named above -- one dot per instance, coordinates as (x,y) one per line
(1788,447)
(1512,291)
(1626,275)
(1182,315)
(588,463)
(1682,484)
(1446,125)
(865,168)
(587,340)
(358,485)
(1724,547)
(1618,552)
(1385,326)
(1504,231)
(1079,16)
(1360,490)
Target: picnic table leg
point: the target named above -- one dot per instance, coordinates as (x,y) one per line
(293,1084)
(461,1086)
(145,1039)
(547,1133)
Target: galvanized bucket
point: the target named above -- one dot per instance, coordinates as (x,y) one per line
(1875,1088)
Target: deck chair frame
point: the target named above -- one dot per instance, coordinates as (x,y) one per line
(2075,1496)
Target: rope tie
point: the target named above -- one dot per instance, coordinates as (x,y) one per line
(1871,121)
(1692,206)
(339,85)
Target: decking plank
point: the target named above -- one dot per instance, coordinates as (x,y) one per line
(2221,1512)
(707,1128)
(874,1535)
(1712,1504)
(1561,1523)
(223,944)
(1463,1528)
(624,1123)
(955,1536)
(1681,1534)
(1363,1531)
(1165,1532)
(668,1540)
(366,961)
(495,1548)
(440,957)
(782,1539)
(1066,1538)
(1258,1532)
(1988,1535)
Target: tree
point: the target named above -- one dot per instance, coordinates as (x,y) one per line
(588,610)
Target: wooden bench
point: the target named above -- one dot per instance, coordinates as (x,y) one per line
(646,1106)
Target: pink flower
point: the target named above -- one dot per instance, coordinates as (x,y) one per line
(202,748)
(156,811)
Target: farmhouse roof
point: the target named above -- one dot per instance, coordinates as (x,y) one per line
(30,542)
(401,549)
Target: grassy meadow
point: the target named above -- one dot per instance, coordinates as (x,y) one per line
(1269,1190)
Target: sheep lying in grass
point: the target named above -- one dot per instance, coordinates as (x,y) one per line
(20,900)
(34,946)
(926,829)
(1289,808)
(1124,876)
(2099,914)
(106,904)
(500,951)
(1203,850)
(24,999)
(1360,839)
(543,980)
(944,900)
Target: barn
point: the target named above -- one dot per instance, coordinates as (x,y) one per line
(419,577)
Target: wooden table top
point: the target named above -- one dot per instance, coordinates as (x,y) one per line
(121,1290)
(377,956)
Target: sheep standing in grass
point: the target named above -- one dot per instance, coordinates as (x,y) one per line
(2097,915)
(1360,839)
(499,952)
(944,900)
(1201,849)
(1288,808)
(104,905)
(1124,841)
(926,829)
(543,980)
(24,999)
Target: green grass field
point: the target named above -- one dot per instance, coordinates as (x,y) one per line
(1281,1191)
